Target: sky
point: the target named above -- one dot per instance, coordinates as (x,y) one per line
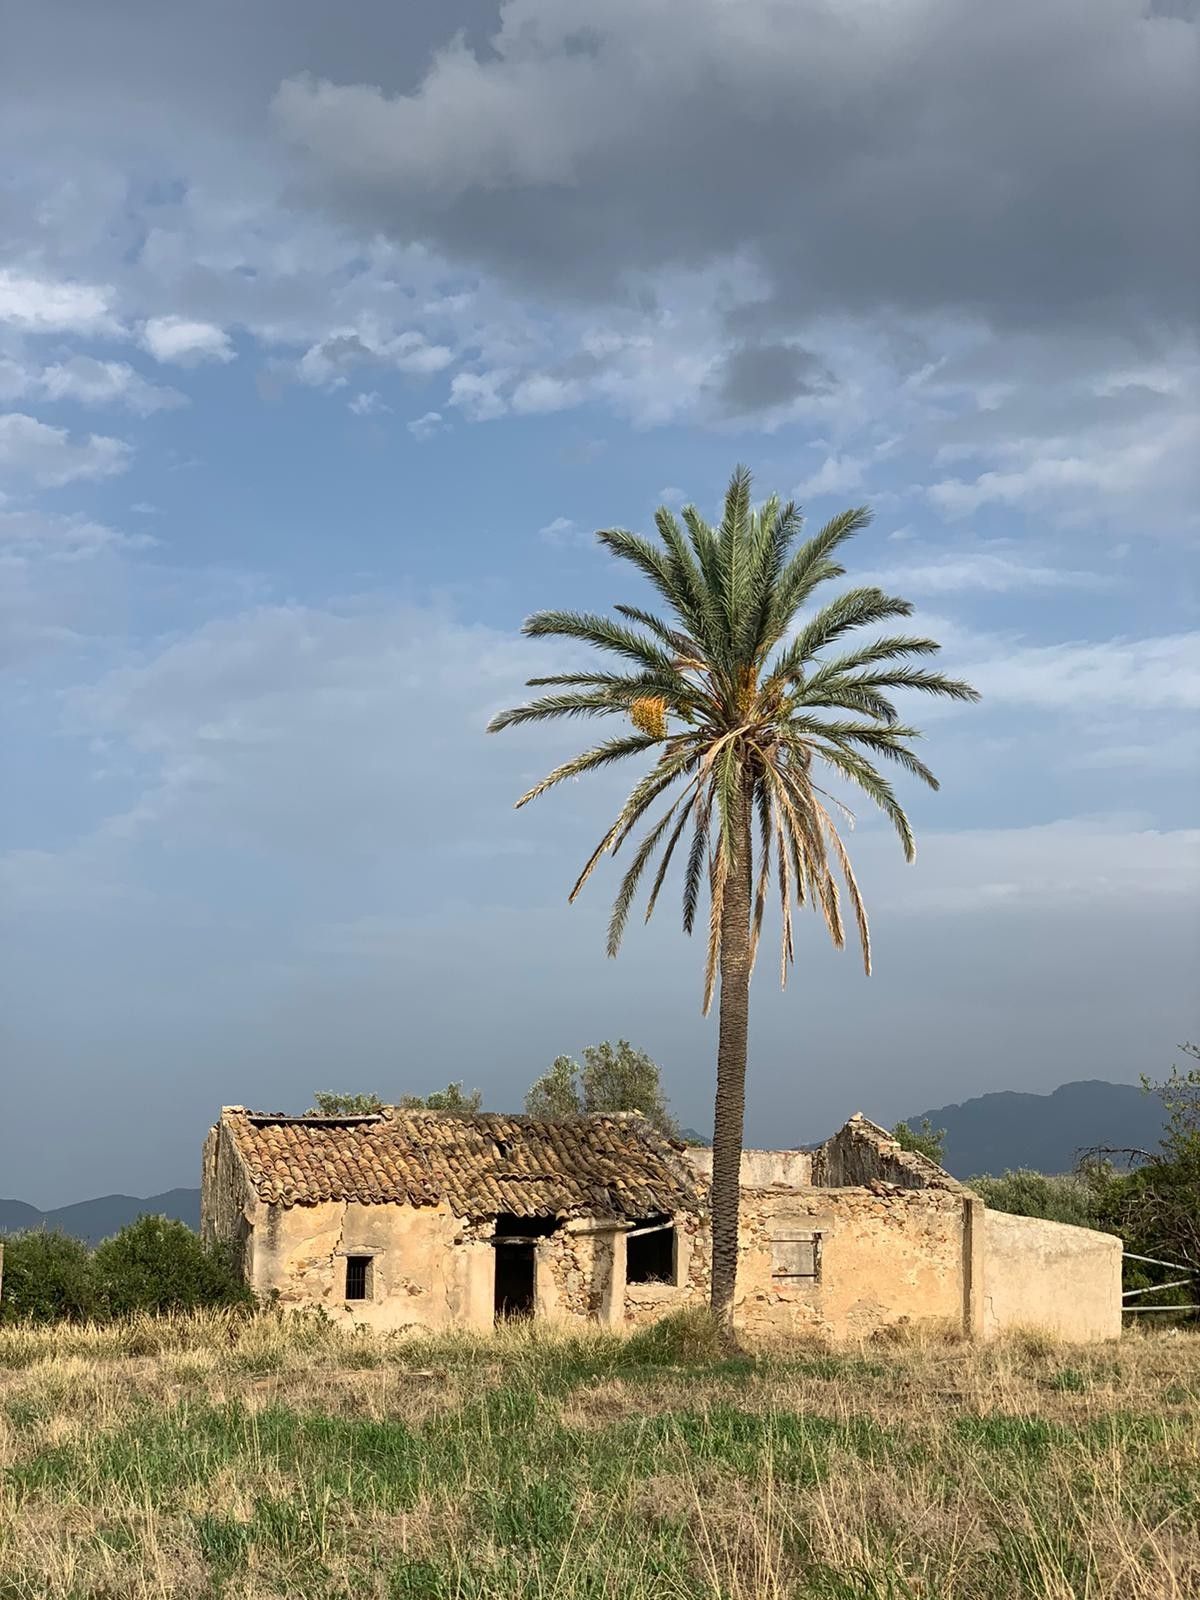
(328,338)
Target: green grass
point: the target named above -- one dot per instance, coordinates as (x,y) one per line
(291,1460)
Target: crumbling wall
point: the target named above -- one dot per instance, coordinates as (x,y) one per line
(428,1269)
(891,1256)
(1052,1276)
(573,1269)
(863,1153)
(647,1302)
(225,1194)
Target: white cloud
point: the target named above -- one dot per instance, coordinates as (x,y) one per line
(563,532)
(1079,471)
(233,714)
(541,392)
(477,395)
(89,382)
(186,342)
(1076,860)
(1155,674)
(51,457)
(49,535)
(836,475)
(951,574)
(329,360)
(425,427)
(38,305)
(368,403)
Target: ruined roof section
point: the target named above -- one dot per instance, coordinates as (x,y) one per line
(481,1165)
(863,1153)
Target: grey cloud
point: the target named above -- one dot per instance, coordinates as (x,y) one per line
(1017,163)
(759,377)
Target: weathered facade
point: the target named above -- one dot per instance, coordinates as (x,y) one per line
(433,1220)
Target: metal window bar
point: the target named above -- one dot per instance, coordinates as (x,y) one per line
(356,1277)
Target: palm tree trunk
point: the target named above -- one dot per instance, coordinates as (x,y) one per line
(730,1107)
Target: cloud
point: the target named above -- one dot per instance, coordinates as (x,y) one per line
(50,456)
(330,359)
(230,716)
(89,382)
(983,571)
(563,532)
(761,377)
(39,305)
(477,395)
(542,392)
(1076,860)
(368,403)
(426,426)
(35,533)
(186,342)
(835,475)
(1009,146)
(1153,674)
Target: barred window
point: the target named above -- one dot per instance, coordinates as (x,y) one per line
(357,1277)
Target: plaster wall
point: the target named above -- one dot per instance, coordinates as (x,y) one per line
(427,1269)
(760,1168)
(1049,1275)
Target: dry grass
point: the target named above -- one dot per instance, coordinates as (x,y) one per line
(267,1458)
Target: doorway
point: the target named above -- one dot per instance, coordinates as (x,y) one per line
(514,1279)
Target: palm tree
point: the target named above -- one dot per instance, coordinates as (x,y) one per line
(745,706)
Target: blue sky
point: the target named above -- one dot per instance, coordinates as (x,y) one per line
(326,342)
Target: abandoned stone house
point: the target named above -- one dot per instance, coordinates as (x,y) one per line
(435,1219)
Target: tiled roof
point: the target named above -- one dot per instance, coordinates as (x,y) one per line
(600,1165)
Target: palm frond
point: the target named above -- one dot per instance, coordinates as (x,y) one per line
(629,883)
(602,632)
(601,756)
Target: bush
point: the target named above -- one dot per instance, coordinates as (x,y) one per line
(1062,1198)
(48,1277)
(156,1264)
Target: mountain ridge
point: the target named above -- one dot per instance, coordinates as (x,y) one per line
(1009,1128)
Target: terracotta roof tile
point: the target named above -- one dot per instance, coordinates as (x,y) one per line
(479,1165)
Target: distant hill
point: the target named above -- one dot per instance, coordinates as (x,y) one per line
(995,1132)
(93,1220)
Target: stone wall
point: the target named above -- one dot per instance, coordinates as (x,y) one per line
(883,1260)
(573,1273)
(1049,1275)
(864,1153)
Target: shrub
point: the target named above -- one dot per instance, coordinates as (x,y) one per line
(157,1264)
(1024,1193)
(48,1277)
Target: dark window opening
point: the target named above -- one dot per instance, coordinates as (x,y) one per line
(357,1272)
(503,1148)
(795,1257)
(650,1255)
(514,1280)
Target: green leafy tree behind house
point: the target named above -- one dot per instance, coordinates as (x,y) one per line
(926,1140)
(610,1078)
(452,1098)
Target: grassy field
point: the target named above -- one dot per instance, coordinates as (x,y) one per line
(270,1458)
